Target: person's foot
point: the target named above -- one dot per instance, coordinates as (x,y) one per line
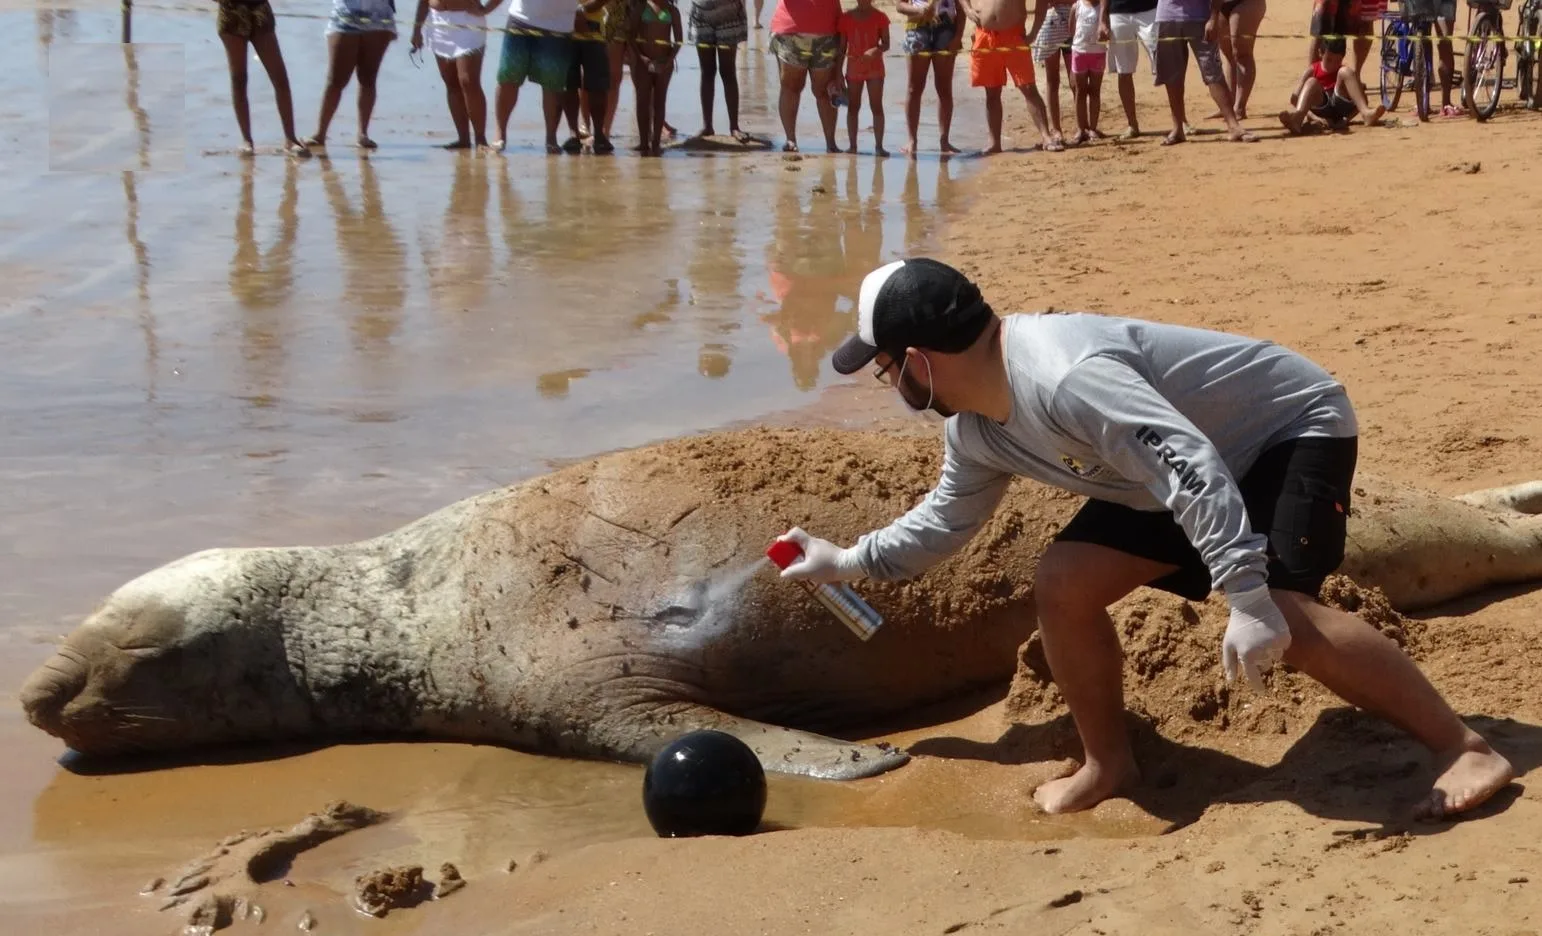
(1374,117)
(791,146)
(991,150)
(572,145)
(1242,113)
(1291,121)
(1094,133)
(553,149)
(1080,138)
(669,131)
(832,147)
(297,149)
(365,142)
(945,146)
(318,141)
(1476,773)
(706,132)
(1089,786)
(246,149)
(1053,144)
(1130,133)
(457,145)
(1173,138)
(880,152)
(602,146)
(1240,135)
(497,145)
(739,135)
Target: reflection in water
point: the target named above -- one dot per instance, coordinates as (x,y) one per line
(374,261)
(717,266)
(809,273)
(131,220)
(262,281)
(459,267)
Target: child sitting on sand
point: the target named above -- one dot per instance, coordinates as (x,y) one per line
(864,32)
(656,35)
(1330,91)
(1088,60)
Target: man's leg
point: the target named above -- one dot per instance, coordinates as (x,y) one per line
(1352,659)
(993,119)
(1076,583)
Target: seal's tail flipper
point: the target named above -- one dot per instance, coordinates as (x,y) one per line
(639,734)
(1523,498)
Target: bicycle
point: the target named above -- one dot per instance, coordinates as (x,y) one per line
(1485,72)
(1528,55)
(1407,55)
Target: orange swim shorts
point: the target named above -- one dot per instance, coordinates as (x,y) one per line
(989,69)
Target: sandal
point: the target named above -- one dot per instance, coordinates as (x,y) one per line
(573,145)
(1173,138)
(1130,133)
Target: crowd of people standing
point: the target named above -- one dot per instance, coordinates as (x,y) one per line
(576,51)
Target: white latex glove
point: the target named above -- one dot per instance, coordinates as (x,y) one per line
(1256,636)
(822,560)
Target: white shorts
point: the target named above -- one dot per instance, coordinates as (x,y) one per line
(454,33)
(1124,29)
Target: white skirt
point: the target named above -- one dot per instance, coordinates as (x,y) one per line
(451,34)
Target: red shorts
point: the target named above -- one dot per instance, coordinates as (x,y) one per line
(990,69)
(861,67)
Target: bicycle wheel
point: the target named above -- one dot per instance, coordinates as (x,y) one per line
(1391,73)
(1423,71)
(1485,66)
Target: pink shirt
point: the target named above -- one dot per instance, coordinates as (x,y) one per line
(815,17)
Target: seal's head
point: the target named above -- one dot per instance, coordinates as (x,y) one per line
(192,652)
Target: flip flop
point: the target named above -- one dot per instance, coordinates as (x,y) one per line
(1054,146)
(573,145)
(1173,139)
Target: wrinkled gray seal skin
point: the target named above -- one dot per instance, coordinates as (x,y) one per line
(568,615)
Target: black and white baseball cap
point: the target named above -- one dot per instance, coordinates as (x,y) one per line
(917,303)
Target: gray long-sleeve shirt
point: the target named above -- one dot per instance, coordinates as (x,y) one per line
(1143,414)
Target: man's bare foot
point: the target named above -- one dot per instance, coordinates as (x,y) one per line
(1375,116)
(791,146)
(991,150)
(1240,135)
(1476,774)
(880,152)
(739,135)
(247,149)
(1173,138)
(457,145)
(1089,786)
(706,132)
(1242,113)
(553,149)
(365,142)
(1053,144)
(832,147)
(318,141)
(946,147)
(297,149)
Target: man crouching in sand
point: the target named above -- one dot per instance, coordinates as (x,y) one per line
(1210,460)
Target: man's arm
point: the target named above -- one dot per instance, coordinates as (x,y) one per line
(1141,435)
(947,518)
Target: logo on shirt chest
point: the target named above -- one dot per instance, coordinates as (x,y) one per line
(1081,469)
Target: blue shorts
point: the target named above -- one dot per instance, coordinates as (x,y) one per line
(544,58)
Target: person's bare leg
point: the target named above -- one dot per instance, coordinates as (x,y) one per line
(617,53)
(993,119)
(875,104)
(596,106)
(1052,96)
(708,60)
(819,81)
(942,81)
(1243,34)
(1367,670)
(1349,86)
(455,97)
(235,56)
(1127,101)
(1076,583)
(504,100)
(343,56)
(1362,47)
(1079,100)
(468,70)
(266,47)
(1447,62)
(1308,96)
(1222,96)
(1094,102)
(1036,113)
(728,71)
(793,79)
(1223,42)
(551,109)
(1175,104)
(915,87)
(853,113)
(372,50)
(642,98)
(660,95)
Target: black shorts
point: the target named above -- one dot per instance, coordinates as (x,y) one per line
(590,70)
(1297,493)
(1335,109)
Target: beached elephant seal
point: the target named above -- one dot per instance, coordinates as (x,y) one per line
(594,612)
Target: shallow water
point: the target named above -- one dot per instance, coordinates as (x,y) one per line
(203,351)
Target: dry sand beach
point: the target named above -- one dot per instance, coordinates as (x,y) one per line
(1381,253)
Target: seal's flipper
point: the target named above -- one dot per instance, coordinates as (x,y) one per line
(1523,498)
(781,750)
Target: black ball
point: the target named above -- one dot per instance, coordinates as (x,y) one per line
(704,783)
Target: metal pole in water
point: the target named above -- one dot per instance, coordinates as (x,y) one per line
(128,20)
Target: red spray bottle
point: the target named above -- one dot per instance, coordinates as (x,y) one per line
(837,597)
